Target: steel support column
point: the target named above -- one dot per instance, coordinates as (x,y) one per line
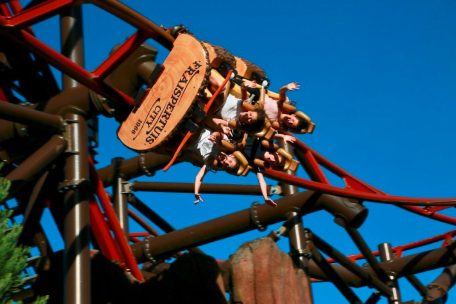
(288,189)
(76,198)
(72,40)
(299,252)
(76,221)
(386,255)
(296,235)
(120,196)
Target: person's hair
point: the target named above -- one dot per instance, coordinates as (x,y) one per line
(275,166)
(218,166)
(286,163)
(257,125)
(233,170)
(302,124)
(242,165)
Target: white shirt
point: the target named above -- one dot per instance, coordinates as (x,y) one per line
(204,147)
(230,109)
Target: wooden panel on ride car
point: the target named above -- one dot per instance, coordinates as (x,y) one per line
(249,70)
(167,102)
(218,56)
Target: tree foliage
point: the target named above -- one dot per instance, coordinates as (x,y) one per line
(13,258)
(4,186)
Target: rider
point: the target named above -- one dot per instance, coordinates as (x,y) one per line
(234,163)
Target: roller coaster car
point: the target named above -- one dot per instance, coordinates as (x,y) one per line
(191,73)
(171,99)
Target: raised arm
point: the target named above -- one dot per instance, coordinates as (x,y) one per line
(285,137)
(264,190)
(218,124)
(289,87)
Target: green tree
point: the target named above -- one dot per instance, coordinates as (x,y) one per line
(4,186)
(13,258)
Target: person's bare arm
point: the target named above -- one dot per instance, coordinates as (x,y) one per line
(285,137)
(218,124)
(264,190)
(223,126)
(250,84)
(262,97)
(198,181)
(289,87)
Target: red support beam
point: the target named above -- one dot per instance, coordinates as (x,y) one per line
(424,242)
(72,69)
(349,179)
(3,97)
(36,13)
(434,216)
(115,226)
(103,235)
(119,55)
(4,10)
(134,239)
(315,167)
(15,6)
(400,249)
(356,186)
(356,194)
(432,210)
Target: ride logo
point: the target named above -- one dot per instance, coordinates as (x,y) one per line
(159,113)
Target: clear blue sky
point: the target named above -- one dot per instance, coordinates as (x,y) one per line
(378,78)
